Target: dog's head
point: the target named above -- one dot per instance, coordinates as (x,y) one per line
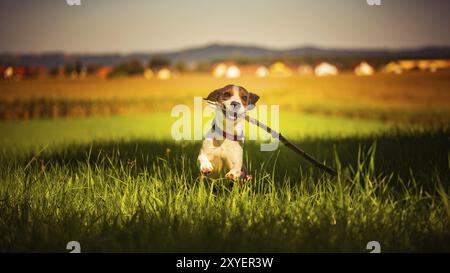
(233,100)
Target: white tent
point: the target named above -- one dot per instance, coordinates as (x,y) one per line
(262,72)
(325,69)
(164,74)
(364,69)
(233,72)
(219,70)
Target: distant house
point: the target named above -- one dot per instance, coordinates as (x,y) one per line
(17,72)
(148,73)
(73,75)
(219,70)
(226,69)
(103,72)
(439,65)
(7,72)
(408,65)
(325,69)
(393,68)
(262,72)
(164,74)
(233,71)
(422,65)
(279,69)
(364,69)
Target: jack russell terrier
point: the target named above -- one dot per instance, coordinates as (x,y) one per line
(223,144)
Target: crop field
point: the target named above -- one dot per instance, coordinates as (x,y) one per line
(93,161)
(412,98)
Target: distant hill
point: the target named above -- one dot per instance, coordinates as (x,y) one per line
(213,52)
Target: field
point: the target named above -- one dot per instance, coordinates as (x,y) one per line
(93,161)
(412,98)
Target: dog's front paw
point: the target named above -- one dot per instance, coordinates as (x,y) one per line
(233,175)
(206,170)
(205,165)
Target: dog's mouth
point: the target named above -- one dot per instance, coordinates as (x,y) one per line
(233,115)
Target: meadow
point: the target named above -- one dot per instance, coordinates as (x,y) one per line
(115,181)
(412,98)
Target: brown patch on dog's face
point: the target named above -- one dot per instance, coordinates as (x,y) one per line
(220,95)
(232,92)
(247,98)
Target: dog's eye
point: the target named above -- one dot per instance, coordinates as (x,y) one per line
(226,94)
(244,98)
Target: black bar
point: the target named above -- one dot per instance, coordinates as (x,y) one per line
(226,262)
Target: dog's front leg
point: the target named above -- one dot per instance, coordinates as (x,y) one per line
(234,161)
(206,166)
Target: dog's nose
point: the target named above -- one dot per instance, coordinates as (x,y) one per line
(236,105)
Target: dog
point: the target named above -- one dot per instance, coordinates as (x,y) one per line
(222,147)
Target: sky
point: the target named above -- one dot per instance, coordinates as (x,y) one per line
(124,26)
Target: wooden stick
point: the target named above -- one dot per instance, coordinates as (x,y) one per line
(292,146)
(286,142)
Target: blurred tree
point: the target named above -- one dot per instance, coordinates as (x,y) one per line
(75,67)
(158,62)
(134,67)
(204,67)
(181,66)
(78,67)
(53,71)
(91,69)
(69,68)
(129,68)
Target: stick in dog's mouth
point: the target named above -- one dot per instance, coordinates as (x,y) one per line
(233,115)
(230,114)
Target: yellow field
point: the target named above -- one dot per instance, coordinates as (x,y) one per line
(421,97)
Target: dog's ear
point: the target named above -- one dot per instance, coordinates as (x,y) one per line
(252,99)
(214,95)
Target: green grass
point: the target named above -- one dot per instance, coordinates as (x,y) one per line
(54,134)
(115,184)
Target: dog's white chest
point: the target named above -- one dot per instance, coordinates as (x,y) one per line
(221,148)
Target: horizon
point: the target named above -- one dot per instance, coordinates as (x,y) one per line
(392,49)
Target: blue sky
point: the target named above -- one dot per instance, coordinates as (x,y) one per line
(163,25)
